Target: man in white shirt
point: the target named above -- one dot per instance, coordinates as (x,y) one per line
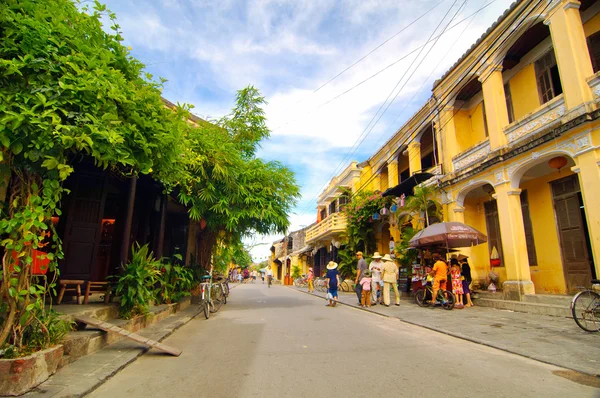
(375,268)
(269,274)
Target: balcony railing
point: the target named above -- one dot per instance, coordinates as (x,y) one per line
(594,82)
(470,156)
(334,223)
(545,116)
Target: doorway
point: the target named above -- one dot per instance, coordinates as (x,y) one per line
(573,233)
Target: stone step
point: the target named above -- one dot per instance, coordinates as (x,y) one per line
(84,342)
(556,299)
(521,306)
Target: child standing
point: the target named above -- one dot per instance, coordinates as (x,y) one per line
(365,300)
(457,288)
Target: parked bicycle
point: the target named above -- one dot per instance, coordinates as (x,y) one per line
(212,297)
(585,308)
(301,281)
(444,297)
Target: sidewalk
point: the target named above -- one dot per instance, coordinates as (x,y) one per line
(553,340)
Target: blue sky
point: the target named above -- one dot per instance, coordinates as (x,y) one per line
(208,49)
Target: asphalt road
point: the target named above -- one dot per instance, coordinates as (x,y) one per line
(282,343)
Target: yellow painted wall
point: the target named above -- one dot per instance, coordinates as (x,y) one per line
(480,256)
(365,182)
(469,125)
(477,123)
(548,275)
(523,89)
(383,180)
(592,26)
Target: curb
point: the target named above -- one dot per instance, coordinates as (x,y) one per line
(459,336)
(58,388)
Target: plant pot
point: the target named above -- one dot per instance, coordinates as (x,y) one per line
(19,375)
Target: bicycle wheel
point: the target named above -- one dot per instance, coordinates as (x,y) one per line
(448,299)
(420,298)
(222,286)
(216,295)
(344,286)
(585,308)
(205,309)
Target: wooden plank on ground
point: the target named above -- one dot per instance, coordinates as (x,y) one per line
(110,328)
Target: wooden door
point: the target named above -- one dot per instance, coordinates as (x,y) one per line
(492,223)
(572,231)
(84,226)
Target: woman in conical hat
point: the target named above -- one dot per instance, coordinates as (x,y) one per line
(332,280)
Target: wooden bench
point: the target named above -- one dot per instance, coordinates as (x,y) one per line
(70,285)
(97,287)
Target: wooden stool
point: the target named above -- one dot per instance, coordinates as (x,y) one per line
(65,287)
(97,287)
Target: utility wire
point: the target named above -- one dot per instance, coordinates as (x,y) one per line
(384,69)
(459,82)
(375,119)
(342,164)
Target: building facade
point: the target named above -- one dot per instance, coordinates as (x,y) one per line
(511,135)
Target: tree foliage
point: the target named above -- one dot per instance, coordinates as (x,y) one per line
(69,89)
(424,205)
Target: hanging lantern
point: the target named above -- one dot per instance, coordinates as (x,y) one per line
(402,200)
(558,162)
(383,211)
(393,208)
(376,216)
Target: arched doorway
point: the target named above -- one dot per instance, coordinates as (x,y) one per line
(556,228)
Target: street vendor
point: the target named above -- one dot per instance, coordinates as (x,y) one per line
(440,275)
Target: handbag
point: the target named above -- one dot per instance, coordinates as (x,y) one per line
(329,296)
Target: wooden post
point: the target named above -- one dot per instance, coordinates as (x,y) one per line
(128,221)
(161,227)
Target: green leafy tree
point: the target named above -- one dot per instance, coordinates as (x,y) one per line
(424,202)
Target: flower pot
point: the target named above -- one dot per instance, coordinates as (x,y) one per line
(19,375)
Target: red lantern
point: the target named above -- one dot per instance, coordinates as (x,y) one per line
(558,162)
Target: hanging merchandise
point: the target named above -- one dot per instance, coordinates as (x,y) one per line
(383,211)
(495,257)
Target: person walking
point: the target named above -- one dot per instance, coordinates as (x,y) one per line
(311,279)
(366,292)
(360,270)
(332,281)
(375,268)
(254,273)
(269,274)
(389,275)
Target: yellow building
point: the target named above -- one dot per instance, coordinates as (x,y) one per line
(289,252)
(512,135)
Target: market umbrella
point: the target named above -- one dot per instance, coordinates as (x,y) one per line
(448,235)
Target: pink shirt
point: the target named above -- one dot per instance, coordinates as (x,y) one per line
(366,283)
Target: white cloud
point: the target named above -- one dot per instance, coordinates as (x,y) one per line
(288,48)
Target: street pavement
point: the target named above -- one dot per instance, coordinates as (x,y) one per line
(554,340)
(280,342)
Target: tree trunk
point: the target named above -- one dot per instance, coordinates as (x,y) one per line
(208,239)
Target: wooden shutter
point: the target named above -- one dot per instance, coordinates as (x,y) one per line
(493,228)
(571,229)
(509,103)
(543,76)
(594,49)
(531,253)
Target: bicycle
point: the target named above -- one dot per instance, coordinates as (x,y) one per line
(212,295)
(301,282)
(444,296)
(269,280)
(585,308)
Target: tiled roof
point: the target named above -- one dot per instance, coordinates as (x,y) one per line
(193,117)
(487,32)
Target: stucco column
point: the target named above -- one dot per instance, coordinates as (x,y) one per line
(414,157)
(393,173)
(495,106)
(458,214)
(514,244)
(588,170)
(570,48)
(376,183)
(449,143)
